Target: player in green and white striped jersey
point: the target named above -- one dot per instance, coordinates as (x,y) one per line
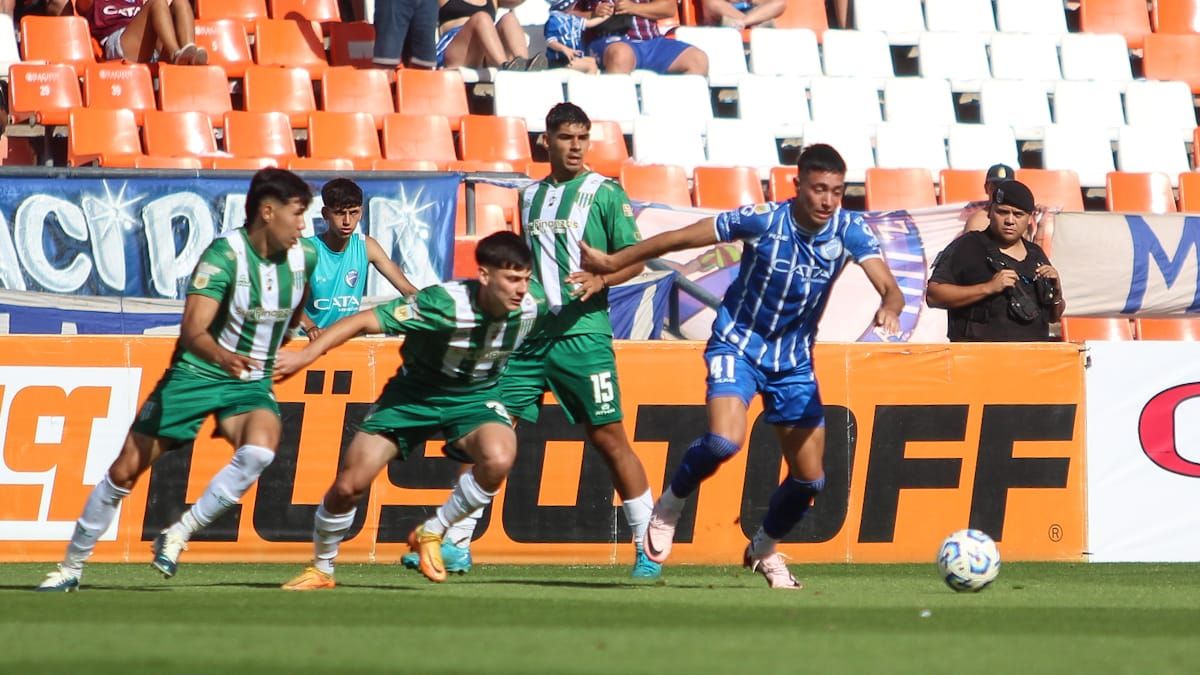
(244,297)
(572,355)
(458,337)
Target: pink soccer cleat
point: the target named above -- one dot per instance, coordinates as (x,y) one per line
(659,534)
(773,568)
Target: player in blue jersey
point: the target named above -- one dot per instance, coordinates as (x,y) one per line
(342,257)
(762,341)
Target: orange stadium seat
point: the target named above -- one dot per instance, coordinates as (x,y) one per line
(294,44)
(57,39)
(808,14)
(659,183)
(423,137)
(493,138)
(194,89)
(403,165)
(349,135)
(607,150)
(305,10)
(1189,192)
(1175,16)
(42,93)
(505,198)
(150,162)
(259,135)
(351,44)
(115,84)
(244,11)
(1139,192)
(244,163)
(721,187)
(1126,17)
(285,90)
(961,185)
(106,136)
(320,164)
(1081,328)
(1177,328)
(349,89)
(889,189)
(538,170)
(465,266)
(179,134)
(1053,188)
(781,183)
(227,44)
(1173,57)
(432,92)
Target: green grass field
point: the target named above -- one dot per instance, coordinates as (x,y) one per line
(1037,618)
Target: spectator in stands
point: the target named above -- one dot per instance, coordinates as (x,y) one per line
(406,30)
(472,37)
(996,174)
(741,14)
(142,31)
(996,285)
(564,37)
(630,38)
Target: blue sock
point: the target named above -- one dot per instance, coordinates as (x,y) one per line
(701,461)
(789,503)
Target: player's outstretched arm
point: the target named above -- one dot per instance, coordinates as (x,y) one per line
(287,363)
(389,269)
(698,234)
(891,301)
(198,314)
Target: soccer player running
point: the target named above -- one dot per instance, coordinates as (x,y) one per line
(458,337)
(572,353)
(762,341)
(343,254)
(245,295)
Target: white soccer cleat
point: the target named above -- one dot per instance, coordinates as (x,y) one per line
(659,535)
(60,581)
(773,568)
(167,548)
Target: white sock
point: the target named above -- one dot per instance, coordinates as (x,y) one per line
(225,489)
(460,533)
(637,514)
(328,530)
(762,545)
(670,505)
(467,497)
(98,513)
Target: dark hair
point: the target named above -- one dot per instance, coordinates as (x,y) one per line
(279,184)
(821,157)
(504,250)
(566,113)
(341,193)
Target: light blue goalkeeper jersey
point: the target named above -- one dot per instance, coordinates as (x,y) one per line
(338,283)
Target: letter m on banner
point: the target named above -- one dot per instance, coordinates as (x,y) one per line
(1147,248)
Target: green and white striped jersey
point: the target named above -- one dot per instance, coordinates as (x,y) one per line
(555,217)
(449,342)
(257,298)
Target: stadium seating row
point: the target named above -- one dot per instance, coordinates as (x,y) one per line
(1078,329)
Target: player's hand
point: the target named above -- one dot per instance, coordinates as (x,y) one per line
(887,321)
(288,363)
(1045,271)
(594,261)
(313,333)
(585,284)
(237,365)
(1002,281)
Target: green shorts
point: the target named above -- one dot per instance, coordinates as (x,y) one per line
(411,413)
(182,400)
(581,370)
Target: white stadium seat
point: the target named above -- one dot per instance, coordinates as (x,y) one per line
(1084,150)
(960,16)
(741,143)
(1031,16)
(528,96)
(1023,105)
(682,98)
(605,97)
(784,51)
(901,20)
(919,99)
(1087,103)
(906,146)
(1145,149)
(976,147)
(960,58)
(726,55)
(845,100)
(1026,57)
(662,140)
(858,53)
(1095,56)
(853,143)
(1166,104)
(778,104)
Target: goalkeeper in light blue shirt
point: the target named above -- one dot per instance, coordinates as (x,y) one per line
(343,253)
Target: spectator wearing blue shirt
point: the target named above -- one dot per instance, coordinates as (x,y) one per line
(564,37)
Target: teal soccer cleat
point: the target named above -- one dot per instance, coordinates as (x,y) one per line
(167,548)
(457,559)
(644,567)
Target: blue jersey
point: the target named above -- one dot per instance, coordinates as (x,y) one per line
(770,312)
(565,29)
(337,284)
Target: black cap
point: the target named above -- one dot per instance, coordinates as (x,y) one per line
(999,172)
(1015,194)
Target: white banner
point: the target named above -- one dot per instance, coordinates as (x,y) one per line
(1143,451)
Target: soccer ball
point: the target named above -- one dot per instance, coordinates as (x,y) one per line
(968,560)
